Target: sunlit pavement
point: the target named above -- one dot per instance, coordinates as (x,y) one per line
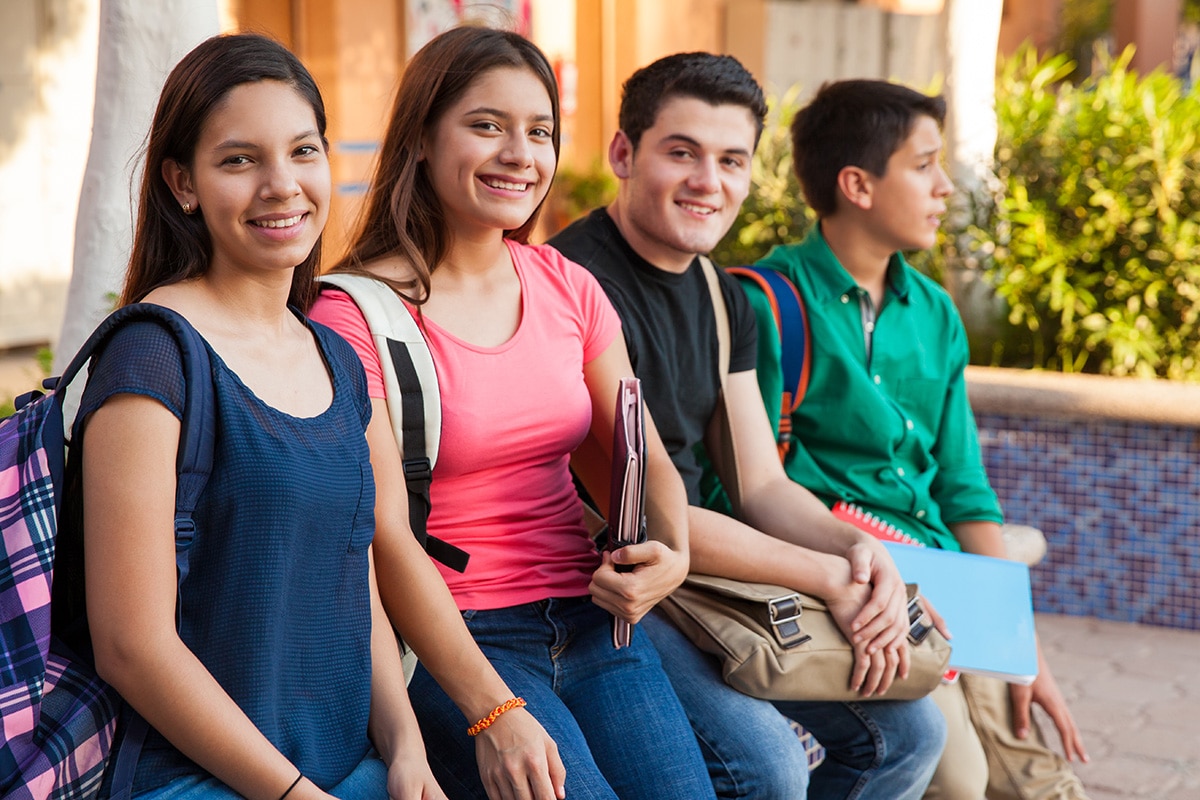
(1135,693)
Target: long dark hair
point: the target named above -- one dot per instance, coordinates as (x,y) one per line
(168,245)
(402,214)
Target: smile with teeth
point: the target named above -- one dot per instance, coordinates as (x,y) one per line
(496,183)
(704,210)
(277,223)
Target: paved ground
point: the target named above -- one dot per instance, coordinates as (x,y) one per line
(1135,692)
(1134,689)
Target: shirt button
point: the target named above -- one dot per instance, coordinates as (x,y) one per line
(845,298)
(870,326)
(876,380)
(921,514)
(908,423)
(900,471)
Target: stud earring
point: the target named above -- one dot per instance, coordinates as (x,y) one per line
(187,208)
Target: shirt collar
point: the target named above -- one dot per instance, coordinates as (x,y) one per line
(830,279)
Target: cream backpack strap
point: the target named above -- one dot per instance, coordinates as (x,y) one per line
(413,399)
(390,321)
(729,467)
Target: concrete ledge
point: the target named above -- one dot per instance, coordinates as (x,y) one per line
(1030,393)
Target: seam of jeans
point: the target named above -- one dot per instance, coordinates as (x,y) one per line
(880,751)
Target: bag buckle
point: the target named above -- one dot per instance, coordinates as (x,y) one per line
(417,472)
(784,615)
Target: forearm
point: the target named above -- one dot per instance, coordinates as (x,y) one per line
(424,613)
(786,510)
(392,726)
(165,683)
(723,546)
(980,537)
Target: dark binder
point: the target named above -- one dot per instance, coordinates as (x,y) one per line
(626,513)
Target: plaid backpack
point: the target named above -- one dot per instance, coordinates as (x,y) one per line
(58,718)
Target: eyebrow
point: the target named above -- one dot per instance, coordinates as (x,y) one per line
(496,112)
(238,144)
(685,139)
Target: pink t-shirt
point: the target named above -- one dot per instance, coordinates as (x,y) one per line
(511,415)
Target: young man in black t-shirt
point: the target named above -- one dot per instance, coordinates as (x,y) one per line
(689,124)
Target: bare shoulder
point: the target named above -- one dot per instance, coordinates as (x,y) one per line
(393,267)
(183,297)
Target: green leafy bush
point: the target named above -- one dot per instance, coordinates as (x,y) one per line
(1096,242)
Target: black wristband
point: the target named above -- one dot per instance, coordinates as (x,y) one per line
(295,783)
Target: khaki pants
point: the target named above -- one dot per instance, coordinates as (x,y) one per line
(984,759)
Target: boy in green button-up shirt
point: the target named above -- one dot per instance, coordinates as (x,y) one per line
(914,459)
(885,423)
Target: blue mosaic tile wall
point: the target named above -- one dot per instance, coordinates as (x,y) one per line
(1120,506)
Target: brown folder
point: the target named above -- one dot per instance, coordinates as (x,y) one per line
(626,513)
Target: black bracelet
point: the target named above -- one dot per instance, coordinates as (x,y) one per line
(296,782)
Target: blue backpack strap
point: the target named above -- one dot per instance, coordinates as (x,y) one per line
(197,439)
(791,323)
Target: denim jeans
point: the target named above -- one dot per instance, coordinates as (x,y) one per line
(875,750)
(368,781)
(619,728)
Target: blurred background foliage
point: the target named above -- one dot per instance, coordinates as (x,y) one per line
(775,211)
(1096,238)
(1092,246)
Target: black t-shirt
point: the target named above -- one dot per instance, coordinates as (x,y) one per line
(670,331)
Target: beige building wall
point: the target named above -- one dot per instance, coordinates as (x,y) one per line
(787,43)
(47,81)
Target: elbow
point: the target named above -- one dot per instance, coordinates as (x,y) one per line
(122,656)
(113,661)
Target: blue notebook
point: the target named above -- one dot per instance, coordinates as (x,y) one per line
(987,605)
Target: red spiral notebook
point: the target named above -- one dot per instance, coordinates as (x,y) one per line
(866,521)
(987,602)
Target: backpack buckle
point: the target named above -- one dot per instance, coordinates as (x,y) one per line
(418,472)
(185,532)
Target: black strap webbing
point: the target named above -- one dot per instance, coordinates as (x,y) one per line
(417,470)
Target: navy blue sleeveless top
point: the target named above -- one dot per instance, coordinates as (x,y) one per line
(277,602)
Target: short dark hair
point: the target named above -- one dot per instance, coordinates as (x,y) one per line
(402,214)
(714,79)
(854,123)
(168,245)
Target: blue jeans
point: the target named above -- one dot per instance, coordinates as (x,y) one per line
(876,750)
(368,781)
(619,728)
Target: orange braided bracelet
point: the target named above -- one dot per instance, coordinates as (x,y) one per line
(486,722)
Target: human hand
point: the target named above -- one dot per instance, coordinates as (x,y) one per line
(882,621)
(1045,692)
(874,670)
(409,778)
(657,571)
(518,759)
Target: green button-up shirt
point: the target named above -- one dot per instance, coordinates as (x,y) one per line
(887,427)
